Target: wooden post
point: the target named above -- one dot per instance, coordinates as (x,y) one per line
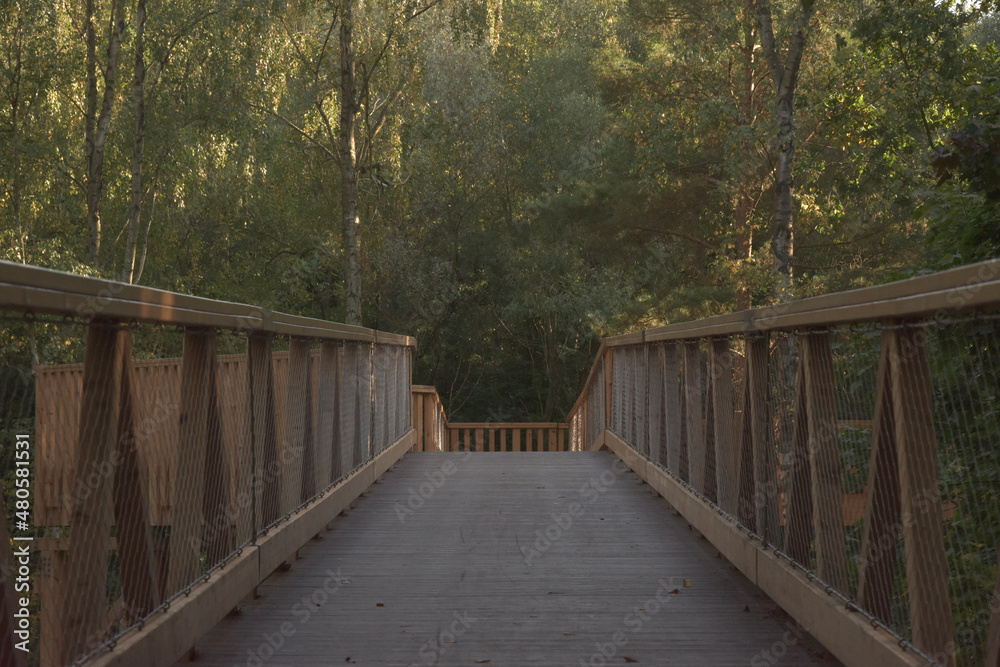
(296,447)
(926,564)
(189,482)
(799,506)
(673,413)
(764,459)
(479,440)
(745,507)
(267,473)
(881,518)
(694,441)
(726,453)
(85,585)
(516,440)
(328,468)
(608,385)
(427,419)
(350,433)
(824,461)
(655,384)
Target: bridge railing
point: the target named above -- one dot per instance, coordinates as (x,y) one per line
(842,451)
(436,434)
(173,445)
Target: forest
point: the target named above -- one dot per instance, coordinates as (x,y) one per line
(507,180)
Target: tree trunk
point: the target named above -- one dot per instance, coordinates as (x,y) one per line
(745,201)
(138,95)
(15,140)
(96,131)
(785,76)
(348,168)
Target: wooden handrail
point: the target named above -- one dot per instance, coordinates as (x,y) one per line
(33,289)
(955,291)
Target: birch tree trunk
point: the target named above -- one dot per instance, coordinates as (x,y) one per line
(97,125)
(348,167)
(785,76)
(139,98)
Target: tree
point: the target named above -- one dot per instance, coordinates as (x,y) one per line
(785,77)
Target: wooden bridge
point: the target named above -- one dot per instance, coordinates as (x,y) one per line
(806,484)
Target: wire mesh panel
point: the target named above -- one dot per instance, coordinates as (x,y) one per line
(864,453)
(158,453)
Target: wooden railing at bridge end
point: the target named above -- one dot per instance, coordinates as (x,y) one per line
(436,434)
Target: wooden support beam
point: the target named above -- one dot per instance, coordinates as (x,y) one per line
(723,411)
(693,420)
(746,510)
(765,463)
(350,406)
(824,460)
(267,472)
(188,495)
(217,510)
(141,591)
(926,564)
(328,464)
(882,509)
(85,586)
(672,408)
(799,504)
(298,465)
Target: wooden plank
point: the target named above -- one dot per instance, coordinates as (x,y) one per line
(87,563)
(882,511)
(726,452)
(694,425)
(765,463)
(516,439)
(553,443)
(926,563)
(824,460)
(548,613)
(799,513)
(263,416)
(188,496)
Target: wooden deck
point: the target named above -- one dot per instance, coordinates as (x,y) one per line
(509,559)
